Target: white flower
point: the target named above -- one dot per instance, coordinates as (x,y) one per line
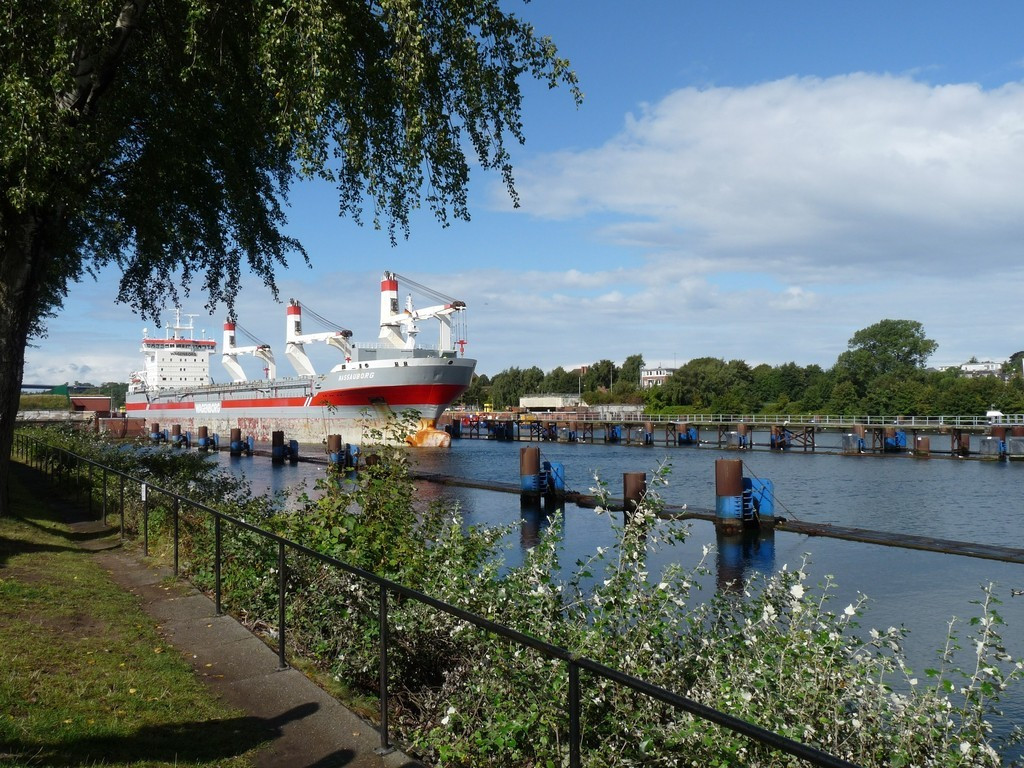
(850,610)
(965,747)
(796,591)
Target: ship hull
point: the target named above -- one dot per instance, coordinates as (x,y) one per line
(356,403)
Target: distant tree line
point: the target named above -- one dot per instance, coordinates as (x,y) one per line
(883,371)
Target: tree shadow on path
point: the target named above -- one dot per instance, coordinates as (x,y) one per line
(191,743)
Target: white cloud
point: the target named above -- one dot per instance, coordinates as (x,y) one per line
(865,173)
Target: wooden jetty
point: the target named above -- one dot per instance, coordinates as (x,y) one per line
(965,436)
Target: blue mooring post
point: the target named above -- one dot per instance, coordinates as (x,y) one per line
(154,432)
(529,471)
(335,455)
(554,479)
(235,446)
(728,494)
(204,439)
(688,435)
(895,441)
(758,500)
(342,456)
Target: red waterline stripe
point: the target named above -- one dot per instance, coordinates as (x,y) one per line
(420,394)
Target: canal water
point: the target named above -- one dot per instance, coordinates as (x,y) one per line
(959,499)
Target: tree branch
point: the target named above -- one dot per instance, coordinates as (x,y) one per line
(94,70)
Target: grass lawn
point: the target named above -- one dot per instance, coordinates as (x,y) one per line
(84,677)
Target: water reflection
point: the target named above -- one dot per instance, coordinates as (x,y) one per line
(740,553)
(535,515)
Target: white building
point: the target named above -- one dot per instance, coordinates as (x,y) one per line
(548,402)
(976,370)
(655,377)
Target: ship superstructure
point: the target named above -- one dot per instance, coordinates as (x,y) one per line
(176,360)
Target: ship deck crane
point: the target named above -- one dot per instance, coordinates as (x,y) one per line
(399,329)
(229,357)
(295,339)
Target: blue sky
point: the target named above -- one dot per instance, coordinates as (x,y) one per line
(744,180)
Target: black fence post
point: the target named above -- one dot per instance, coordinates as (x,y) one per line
(175,537)
(104,495)
(145,520)
(574,715)
(120,504)
(280,604)
(216,562)
(382,617)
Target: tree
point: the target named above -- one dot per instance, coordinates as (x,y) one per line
(561,381)
(477,393)
(887,347)
(161,136)
(895,395)
(967,396)
(1015,365)
(507,387)
(817,391)
(707,380)
(631,369)
(599,376)
(844,400)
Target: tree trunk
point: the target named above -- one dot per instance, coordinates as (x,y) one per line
(24,234)
(22,272)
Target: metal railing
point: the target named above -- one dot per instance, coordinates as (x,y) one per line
(44,457)
(778,419)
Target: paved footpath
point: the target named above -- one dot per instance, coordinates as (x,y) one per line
(308,728)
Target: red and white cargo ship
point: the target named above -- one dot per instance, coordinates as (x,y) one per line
(355,398)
